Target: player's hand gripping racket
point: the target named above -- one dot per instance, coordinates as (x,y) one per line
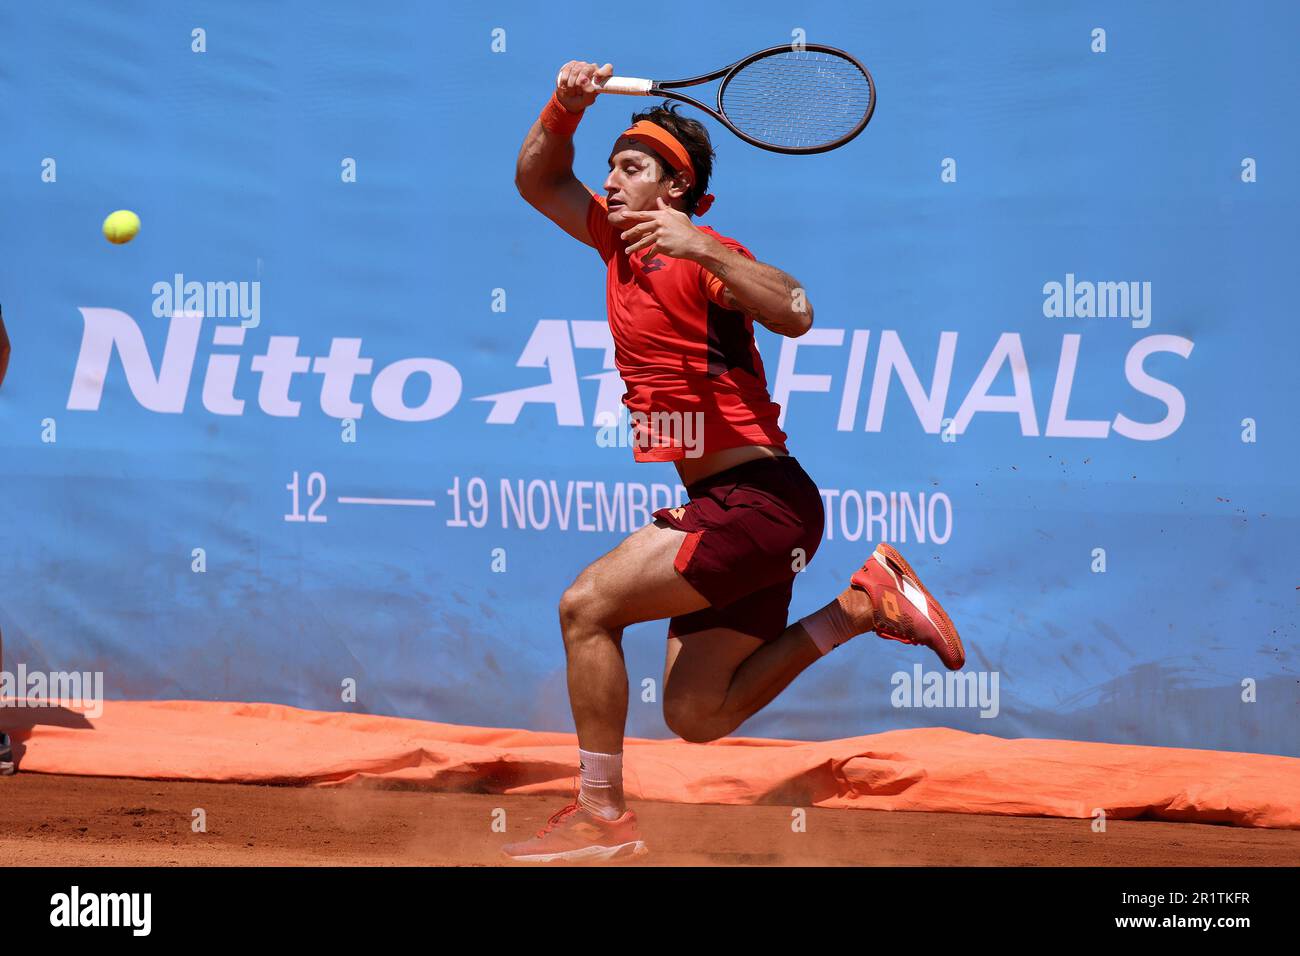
(786,99)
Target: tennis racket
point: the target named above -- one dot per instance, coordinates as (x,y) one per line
(789,100)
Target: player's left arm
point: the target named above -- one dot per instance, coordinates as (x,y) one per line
(769,296)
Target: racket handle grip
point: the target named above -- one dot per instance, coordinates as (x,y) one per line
(627,85)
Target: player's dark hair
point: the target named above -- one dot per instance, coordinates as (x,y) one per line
(694,136)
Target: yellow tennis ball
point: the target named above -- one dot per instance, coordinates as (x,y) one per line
(121,226)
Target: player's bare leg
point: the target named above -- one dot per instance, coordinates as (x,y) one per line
(635,582)
(717,679)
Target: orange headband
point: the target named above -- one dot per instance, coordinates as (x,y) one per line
(668,144)
(670,148)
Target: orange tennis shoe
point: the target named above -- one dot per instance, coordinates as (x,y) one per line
(572,835)
(904,610)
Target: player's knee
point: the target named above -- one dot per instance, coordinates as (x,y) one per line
(571,607)
(581,610)
(689,720)
(702,732)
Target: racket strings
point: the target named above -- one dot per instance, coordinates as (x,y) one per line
(798,98)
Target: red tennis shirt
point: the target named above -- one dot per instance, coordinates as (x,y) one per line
(694,378)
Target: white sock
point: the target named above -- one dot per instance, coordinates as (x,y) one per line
(601,791)
(829,628)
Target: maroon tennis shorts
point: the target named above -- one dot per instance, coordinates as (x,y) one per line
(749,528)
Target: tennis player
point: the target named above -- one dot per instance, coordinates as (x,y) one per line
(682,302)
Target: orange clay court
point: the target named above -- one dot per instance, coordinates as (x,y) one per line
(281,786)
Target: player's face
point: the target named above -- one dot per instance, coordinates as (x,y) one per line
(635,182)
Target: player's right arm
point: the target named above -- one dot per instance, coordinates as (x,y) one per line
(544,172)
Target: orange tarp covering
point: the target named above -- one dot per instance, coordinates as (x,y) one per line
(926,769)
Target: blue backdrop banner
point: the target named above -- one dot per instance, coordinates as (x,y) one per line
(328,431)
